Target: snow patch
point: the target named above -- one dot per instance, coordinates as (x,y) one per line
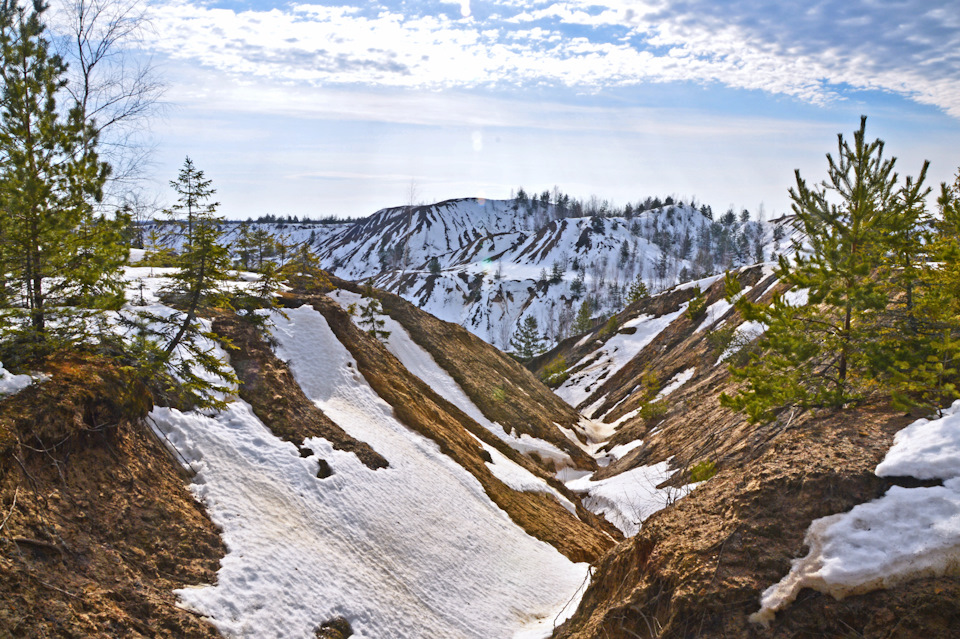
(907,534)
(678,380)
(11,384)
(627,499)
(613,355)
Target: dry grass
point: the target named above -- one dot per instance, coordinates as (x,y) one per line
(103,528)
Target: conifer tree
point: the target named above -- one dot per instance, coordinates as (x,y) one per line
(822,352)
(60,260)
(527,341)
(303,272)
(370,319)
(922,347)
(638,291)
(193,190)
(583,321)
(179,340)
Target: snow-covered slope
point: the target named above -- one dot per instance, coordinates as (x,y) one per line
(495,262)
(421,548)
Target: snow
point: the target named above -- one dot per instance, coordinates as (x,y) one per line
(676,382)
(926,449)
(627,499)
(520,479)
(613,355)
(417,549)
(420,363)
(11,384)
(908,533)
(492,254)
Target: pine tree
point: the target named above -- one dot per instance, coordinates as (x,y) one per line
(583,322)
(370,319)
(193,190)
(179,340)
(244,246)
(527,341)
(824,353)
(303,272)
(638,291)
(922,344)
(60,260)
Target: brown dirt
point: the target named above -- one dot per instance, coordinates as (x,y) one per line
(268,386)
(422,410)
(103,529)
(697,569)
(503,390)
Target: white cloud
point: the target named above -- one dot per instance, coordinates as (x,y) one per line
(911,49)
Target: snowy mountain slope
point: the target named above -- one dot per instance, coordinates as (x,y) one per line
(580,536)
(520,409)
(489,264)
(495,263)
(374,547)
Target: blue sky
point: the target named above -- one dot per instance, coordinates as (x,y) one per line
(338,107)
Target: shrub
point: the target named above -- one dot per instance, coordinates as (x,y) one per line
(702,471)
(555,373)
(654,410)
(609,328)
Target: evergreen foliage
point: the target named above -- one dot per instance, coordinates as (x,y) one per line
(528,342)
(556,372)
(638,290)
(370,313)
(860,258)
(303,272)
(199,377)
(697,306)
(59,259)
(583,321)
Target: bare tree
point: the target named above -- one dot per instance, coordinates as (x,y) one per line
(116,90)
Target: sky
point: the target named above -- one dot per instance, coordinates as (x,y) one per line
(342,107)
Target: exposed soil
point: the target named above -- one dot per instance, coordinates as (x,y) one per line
(523,404)
(103,529)
(416,405)
(697,569)
(269,387)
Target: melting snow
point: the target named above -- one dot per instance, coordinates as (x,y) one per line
(678,380)
(614,355)
(627,499)
(909,533)
(11,384)
(417,549)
